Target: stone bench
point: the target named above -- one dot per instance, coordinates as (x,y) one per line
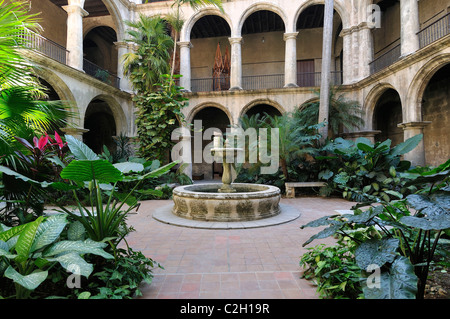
(290,187)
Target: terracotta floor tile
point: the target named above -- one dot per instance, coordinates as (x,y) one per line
(261,263)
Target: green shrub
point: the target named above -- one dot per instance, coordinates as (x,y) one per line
(334,270)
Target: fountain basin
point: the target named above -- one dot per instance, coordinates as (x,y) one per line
(205,202)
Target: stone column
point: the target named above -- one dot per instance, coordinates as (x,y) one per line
(417,155)
(185,65)
(75,15)
(122,49)
(347,72)
(236,64)
(410,25)
(366,50)
(290,63)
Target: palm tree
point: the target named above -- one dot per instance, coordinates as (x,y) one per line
(295,139)
(23,109)
(343,113)
(146,66)
(176,21)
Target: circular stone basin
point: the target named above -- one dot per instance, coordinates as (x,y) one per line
(205,202)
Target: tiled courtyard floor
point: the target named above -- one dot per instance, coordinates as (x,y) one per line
(256,263)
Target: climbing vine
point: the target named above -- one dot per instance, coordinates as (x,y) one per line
(158,114)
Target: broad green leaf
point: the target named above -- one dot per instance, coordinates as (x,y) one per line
(74,263)
(323,221)
(11,232)
(433,205)
(4,251)
(86,171)
(83,247)
(49,231)
(30,282)
(433,223)
(407,146)
(80,150)
(76,231)
(376,252)
(127,167)
(26,239)
(399,282)
(327,232)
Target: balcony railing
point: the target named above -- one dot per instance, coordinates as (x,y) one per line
(434,31)
(386,59)
(45,46)
(260,82)
(101,74)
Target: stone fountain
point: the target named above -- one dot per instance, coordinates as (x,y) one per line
(226,201)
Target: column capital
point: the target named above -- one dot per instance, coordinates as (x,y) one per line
(290,35)
(121,44)
(236,40)
(414,125)
(185,44)
(74,8)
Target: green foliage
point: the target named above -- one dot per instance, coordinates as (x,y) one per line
(123,279)
(408,233)
(150,61)
(23,110)
(159,113)
(295,141)
(29,251)
(343,113)
(334,270)
(103,222)
(362,169)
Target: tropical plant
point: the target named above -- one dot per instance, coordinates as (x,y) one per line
(343,113)
(150,61)
(103,222)
(361,168)
(295,140)
(23,111)
(334,270)
(29,251)
(409,229)
(159,113)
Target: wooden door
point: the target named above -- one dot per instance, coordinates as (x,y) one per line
(305,73)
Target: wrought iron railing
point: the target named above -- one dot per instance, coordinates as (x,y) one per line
(434,31)
(386,59)
(45,46)
(221,83)
(101,74)
(313,79)
(259,82)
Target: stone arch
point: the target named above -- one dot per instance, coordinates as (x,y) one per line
(237,32)
(116,17)
(254,103)
(105,119)
(198,108)
(435,113)
(416,90)
(63,91)
(384,112)
(117,111)
(340,9)
(370,102)
(187,27)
